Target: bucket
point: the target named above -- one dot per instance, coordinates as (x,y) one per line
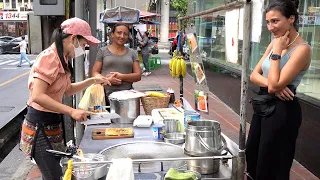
(203,138)
(128,109)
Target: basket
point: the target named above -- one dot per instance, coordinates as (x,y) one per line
(150,103)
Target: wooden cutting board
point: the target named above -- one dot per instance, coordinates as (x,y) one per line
(112,133)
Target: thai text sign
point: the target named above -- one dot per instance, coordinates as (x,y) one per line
(13,15)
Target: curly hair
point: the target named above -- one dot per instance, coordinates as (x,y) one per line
(287,8)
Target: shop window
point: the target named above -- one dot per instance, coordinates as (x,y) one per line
(14,5)
(48,2)
(310,31)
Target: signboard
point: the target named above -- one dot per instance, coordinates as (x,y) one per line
(197,67)
(231,34)
(14,16)
(309,20)
(314,11)
(256,20)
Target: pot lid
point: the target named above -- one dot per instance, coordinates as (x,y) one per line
(126,94)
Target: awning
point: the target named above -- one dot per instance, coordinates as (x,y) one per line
(149,22)
(145,14)
(120,14)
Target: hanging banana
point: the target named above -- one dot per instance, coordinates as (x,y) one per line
(178,67)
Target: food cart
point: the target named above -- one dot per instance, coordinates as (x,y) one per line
(152,157)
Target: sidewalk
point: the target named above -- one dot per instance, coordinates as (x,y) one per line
(229,120)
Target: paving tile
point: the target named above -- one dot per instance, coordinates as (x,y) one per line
(34,173)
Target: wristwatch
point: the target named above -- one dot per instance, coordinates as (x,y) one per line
(275,57)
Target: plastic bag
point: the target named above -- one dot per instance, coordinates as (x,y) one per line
(121,169)
(94,96)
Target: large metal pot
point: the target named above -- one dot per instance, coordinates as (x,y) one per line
(203,138)
(128,109)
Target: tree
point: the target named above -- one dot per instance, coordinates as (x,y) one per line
(181,7)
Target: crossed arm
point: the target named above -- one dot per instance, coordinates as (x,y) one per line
(278,80)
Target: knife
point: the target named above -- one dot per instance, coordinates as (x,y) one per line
(104,115)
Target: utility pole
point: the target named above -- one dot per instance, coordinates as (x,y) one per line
(68,100)
(79,72)
(244,87)
(93,24)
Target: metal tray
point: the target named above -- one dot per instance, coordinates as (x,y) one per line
(147,150)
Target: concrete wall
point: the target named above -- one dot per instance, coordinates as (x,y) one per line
(34,33)
(138,4)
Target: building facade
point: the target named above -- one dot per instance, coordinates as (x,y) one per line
(225,75)
(13,17)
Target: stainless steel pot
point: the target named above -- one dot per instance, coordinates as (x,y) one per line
(203,138)
(128,109)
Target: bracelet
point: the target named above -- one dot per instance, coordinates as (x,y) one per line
(94,80)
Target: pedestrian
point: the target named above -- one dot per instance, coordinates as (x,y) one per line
(277,114)
(118,60)
(49,80)
(23,51)
(145,51)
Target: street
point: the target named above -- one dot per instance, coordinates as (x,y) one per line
(13,86)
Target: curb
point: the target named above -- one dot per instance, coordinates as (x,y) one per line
(23,170)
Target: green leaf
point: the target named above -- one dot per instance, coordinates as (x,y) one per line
(181,7)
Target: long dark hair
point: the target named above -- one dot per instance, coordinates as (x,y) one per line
(287,8)
(57,37)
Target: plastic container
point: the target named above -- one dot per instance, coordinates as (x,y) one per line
(158,131)
(190,116)
(170,92)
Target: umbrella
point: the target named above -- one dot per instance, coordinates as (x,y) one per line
(120,14)
(145,14)
(149,22)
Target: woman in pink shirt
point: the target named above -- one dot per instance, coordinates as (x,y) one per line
(49,80)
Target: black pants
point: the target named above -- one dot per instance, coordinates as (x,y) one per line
(48,163)
(271,142)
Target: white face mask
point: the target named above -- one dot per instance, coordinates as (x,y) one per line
(78,51)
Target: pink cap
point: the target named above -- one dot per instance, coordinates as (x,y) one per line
(80,27)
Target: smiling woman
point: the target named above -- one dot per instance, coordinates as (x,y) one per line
(277,113)
(117,60)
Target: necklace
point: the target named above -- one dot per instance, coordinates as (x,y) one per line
(293,40)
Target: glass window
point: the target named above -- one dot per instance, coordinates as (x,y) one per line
(48,2)
(310,30)
(1,5)
(14,5)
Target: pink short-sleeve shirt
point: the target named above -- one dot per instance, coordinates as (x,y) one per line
(49,69)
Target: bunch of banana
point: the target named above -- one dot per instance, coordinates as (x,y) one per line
(155,94)
(178,67)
